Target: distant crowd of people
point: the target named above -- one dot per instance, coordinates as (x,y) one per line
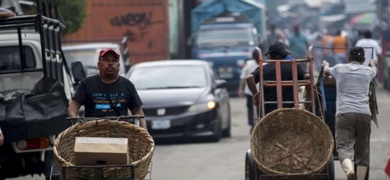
(332,47)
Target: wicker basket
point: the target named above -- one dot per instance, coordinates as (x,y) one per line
(291,142)
(141,148)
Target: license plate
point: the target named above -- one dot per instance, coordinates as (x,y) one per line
(226,75)
(161,124)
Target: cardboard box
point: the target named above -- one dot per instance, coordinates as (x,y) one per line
(101,151)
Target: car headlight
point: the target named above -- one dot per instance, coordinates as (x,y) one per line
(202,107)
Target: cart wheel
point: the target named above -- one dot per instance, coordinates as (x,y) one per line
(330,169)
(251,170)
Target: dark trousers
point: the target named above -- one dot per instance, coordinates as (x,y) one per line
(250,110)
(353,137)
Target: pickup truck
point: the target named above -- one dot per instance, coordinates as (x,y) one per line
(31,58)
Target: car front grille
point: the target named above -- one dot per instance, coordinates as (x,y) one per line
(168,111)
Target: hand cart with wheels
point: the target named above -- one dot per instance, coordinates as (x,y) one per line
(141,148)
(289,152)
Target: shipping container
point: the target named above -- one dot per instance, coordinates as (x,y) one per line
(144,22)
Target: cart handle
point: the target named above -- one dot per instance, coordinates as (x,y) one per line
(81,119)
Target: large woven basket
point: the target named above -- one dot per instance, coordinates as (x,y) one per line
(291,142)
(141,149)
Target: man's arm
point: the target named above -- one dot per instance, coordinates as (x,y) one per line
(250,80)
(251,83)
(139,111)
(241,88)
(1,138)
(326,68)
(73,109)
(242,81)
(5,13)
(373,65)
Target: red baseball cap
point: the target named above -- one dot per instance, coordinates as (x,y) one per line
(105,50)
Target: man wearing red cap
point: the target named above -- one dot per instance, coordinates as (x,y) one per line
(106,94)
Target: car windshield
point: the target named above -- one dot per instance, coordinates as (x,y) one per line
(231,36)
(169,77)
(86,56)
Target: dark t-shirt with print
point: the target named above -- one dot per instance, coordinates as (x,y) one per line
(101,99)
(270,94)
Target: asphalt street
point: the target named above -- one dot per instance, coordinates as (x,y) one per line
(225,160)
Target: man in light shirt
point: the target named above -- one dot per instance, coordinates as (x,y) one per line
(250,66)
(353,115)
(372,49)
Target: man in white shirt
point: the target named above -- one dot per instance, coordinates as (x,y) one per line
(372,49)
(250,66)
(353,115)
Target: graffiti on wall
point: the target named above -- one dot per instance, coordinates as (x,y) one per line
(141,20)
(145,23)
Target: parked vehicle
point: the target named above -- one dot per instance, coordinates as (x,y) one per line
(226,36)
(182,98)
(88,55)
(31,58)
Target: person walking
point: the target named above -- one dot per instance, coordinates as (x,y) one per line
(243,89)
(372,49)
(353,115)
(299,44)
(107,94)
(339,45)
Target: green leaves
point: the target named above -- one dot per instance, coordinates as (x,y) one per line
(72,12)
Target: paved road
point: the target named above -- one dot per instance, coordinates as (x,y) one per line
(225,160)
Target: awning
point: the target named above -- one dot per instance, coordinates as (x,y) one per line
(364,19)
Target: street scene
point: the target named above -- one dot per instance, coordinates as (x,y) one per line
(194,89)
(225,159)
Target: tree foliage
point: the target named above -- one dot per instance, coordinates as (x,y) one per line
(72,12)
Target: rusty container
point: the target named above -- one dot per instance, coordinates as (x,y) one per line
(144,22)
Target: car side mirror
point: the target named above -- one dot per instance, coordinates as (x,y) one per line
(78,71)
(221,83)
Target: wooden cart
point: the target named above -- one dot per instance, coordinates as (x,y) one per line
(252,172)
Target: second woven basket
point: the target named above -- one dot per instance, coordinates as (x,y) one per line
(291,141)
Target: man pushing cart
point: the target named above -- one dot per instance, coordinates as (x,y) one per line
(288,142)
(282,97)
